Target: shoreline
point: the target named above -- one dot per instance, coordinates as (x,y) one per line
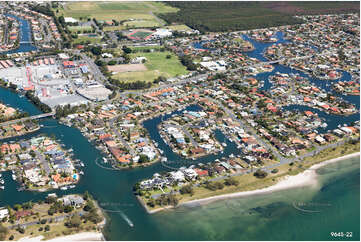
(305,178)
(82,236)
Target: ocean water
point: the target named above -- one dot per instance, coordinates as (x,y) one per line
(307,213)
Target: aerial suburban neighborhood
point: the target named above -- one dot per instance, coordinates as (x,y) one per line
(119,120)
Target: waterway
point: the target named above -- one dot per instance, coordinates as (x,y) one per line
(266,217)
(25,36)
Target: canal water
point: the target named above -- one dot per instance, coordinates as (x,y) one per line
(266,217)
(25,36)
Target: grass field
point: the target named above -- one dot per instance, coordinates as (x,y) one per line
(114,28)
(79,28)
(81,39)
(178,27)
(142,12)
(141,24)
(157,65)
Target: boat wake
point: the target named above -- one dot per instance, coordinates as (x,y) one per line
(126,219)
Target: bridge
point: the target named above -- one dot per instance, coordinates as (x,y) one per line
(44,115)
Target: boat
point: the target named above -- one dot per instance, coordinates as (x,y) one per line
(2,187)
(224,144)
(127,219)
(71,186)
(2,181)
(105,160)
(64,188)
(82,164)
(161,151)
(164,159)
(81,173)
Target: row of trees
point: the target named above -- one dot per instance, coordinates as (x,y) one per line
(43,107)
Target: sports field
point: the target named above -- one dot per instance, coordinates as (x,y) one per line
(157,65)
(140,13)
(140,34)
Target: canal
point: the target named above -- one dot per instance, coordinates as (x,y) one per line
(113,189)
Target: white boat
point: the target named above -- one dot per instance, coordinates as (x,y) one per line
(64,188)
(224,144)
(164,159)
(13,176)
(2,181)
(81,173)
(161,151)
(82,164)
(71,186)
(127,219)
(2,187)
(105,160)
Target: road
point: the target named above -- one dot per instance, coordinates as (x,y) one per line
(185,131)
(56,218)
(284,161)
(43,161)
(248,129)
(120,137)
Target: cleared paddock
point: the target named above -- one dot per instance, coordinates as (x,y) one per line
(127,68)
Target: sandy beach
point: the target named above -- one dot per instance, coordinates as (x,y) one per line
(85,236)
(306,178)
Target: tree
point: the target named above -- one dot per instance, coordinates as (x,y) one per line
(231,181)
(96,50)
(17,207)
(126,49)
(143,159)
(47,227)
(260,174)
(74,221)
(188,189)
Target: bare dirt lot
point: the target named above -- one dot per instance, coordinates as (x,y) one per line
(127,68)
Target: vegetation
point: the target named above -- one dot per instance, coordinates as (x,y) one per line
(188,189)
(43,107)
(67,109)
(260,174)
(226,16)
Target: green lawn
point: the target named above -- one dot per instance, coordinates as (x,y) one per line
(179,27)
(157,64)
(115,10)
(81,39)
(113,28)
(148,23)
(79,28)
